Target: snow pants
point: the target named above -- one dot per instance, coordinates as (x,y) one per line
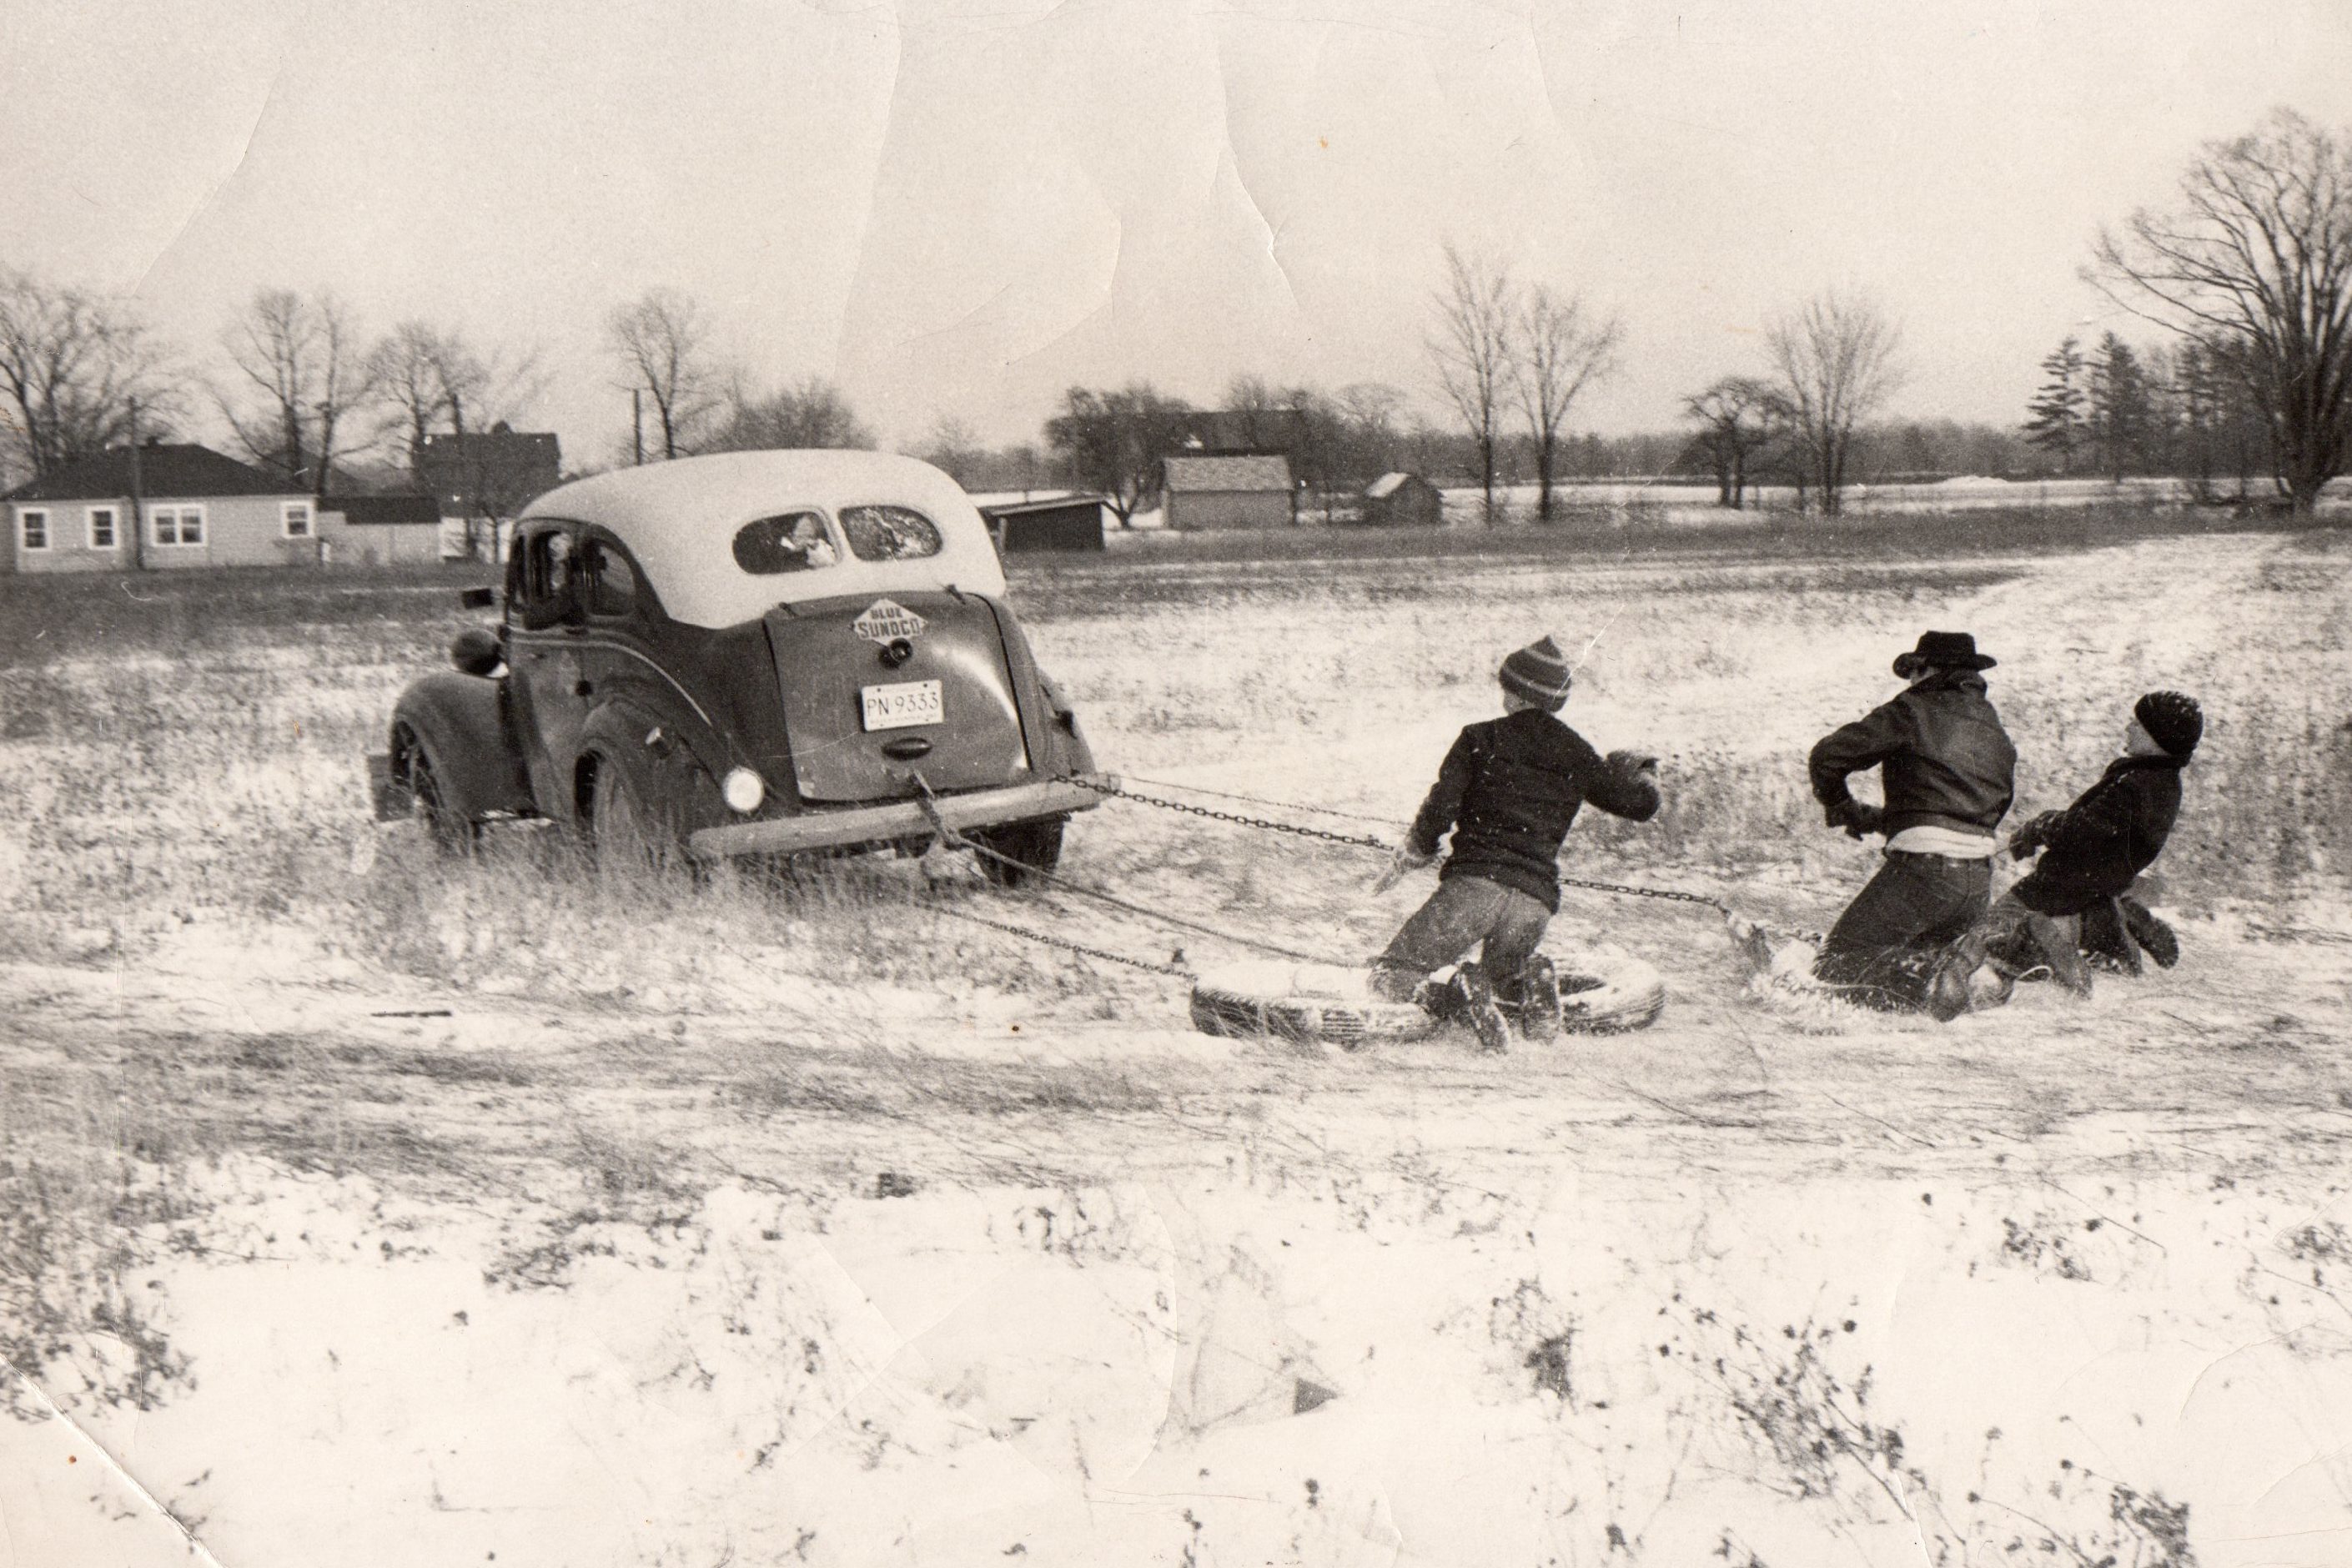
(1503,923)
(1884,950)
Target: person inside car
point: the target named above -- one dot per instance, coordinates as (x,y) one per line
(1507,792)
(1947,771)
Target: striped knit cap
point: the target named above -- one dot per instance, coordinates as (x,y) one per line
(1538,672)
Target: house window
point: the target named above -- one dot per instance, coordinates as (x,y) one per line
(34,529)
(179,524)
(298,519)
(101,528)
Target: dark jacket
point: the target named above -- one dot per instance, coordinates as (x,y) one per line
(1946,760)
(2092,850)
(1510,789)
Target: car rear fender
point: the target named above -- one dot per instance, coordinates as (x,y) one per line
(461,722)
(672,780)
(1048,723)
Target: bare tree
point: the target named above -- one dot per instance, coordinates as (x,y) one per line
(1115,441)
(76,369)
(663,345)
(1563,348)
(1471,349)
(2258,258)
(811,412)
(302,374)
(1837,359)
(954,450)
(1736,418)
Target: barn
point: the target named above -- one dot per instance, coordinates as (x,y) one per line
(1229,489)
(1058,522)
(1401,500)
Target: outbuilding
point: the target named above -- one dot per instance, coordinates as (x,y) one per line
(196,507)
(383,531)
(1401,500)
(1229,489)
(1056,522)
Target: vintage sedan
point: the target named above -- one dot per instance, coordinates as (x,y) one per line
(749,654)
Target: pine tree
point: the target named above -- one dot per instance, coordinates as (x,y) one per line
(2056,425)
(2120,413)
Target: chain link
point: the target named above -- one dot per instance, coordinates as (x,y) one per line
(1279,805)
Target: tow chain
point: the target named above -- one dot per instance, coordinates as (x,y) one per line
(1050,940)
(1360,841)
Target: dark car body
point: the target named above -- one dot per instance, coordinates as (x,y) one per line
(751,653)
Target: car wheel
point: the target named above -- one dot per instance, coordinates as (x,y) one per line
(622,833)
(445,820)
(1027,848)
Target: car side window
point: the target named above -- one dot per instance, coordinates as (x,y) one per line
(789,542)
(889,532)
(611,581)
(547,577)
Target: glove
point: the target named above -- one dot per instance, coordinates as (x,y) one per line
(2032,837)
(1401,860)
(1858,820)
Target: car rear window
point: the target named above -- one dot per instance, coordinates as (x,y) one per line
(889,532)
(789,542)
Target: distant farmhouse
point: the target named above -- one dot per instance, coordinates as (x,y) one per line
(1399,499)
(1237,489)
(199,507)
(1058,522)
(485,477)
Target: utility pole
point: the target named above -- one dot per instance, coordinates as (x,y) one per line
(637,426)
(136,523)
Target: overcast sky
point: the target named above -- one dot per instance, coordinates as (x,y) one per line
(963,208)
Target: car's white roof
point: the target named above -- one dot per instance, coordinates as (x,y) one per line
(679,519)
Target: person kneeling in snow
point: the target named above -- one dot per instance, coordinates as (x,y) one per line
(1508,790)
(1947,769)
(2074,902)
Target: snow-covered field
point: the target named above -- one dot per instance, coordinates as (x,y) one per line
(355,1208)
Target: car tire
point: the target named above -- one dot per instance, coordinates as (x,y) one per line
(1028,847)
(447,822)
(622,834)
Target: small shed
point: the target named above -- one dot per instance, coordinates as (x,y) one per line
(1231,489)
(1401,500)
(1056,522)
(379,531)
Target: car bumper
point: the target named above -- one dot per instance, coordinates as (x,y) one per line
(905,819)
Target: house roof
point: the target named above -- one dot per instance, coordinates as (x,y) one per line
(367,511)
(1242,471)
(167,471)
(1051,503)
(1386,485)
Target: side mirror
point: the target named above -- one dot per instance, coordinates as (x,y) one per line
(476,598)
(476,651)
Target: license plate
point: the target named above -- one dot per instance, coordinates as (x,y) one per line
(909,702)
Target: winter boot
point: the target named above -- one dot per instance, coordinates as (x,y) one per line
(2106,945)
(1539,1002)
(1951,982)
(2055,944)
(2149,933)
(1470,997)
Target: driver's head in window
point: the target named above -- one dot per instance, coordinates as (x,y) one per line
(791,542)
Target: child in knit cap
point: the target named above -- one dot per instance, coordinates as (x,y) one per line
(2076,896)
(1507,791)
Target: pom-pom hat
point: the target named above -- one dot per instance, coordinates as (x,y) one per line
(1538,672)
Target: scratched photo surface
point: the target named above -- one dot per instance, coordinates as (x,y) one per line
(708,717)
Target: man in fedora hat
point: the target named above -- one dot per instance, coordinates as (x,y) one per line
(1507,791)
(1947,771)
(2075,903)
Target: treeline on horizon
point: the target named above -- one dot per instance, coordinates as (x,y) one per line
(2249,281)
